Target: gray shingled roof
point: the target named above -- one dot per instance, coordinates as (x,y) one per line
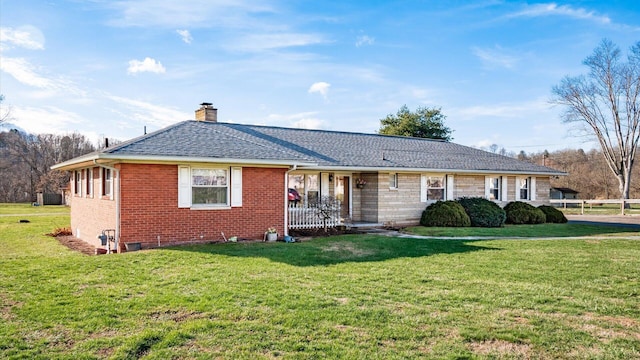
(325,148)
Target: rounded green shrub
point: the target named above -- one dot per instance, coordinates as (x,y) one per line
(553,215)
(519,212)
(483,212)
(445,213)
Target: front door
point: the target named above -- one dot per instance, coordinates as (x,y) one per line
(342,193)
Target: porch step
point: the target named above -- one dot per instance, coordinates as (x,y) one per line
(366,226)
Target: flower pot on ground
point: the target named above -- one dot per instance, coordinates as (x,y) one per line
(272,236)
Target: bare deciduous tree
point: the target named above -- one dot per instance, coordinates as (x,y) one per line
(607,103)
(5,111)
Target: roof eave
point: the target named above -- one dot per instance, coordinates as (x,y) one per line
(104,158)
(426,170)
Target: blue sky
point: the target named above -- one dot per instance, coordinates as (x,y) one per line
(110,67)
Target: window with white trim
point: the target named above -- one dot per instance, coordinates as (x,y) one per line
(435,187)
(393,180)
(524,187)
(77,182)
(89,183)
(495,185)
(209,186)
(107,182)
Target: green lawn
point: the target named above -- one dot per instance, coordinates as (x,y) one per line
(352,297)
(537,231)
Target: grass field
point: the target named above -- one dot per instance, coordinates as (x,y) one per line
(352,297)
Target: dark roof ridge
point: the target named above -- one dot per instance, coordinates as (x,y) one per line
(329,131)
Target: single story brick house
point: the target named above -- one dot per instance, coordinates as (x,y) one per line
(197,179)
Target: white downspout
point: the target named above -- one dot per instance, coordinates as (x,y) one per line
(117,196)
(286,199)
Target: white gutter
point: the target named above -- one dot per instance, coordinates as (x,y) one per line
(175,159)
(426,170)
(286,199)
(117,196)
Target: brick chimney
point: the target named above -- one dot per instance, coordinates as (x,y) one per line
(207,113)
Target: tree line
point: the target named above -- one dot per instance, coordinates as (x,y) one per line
(26,160)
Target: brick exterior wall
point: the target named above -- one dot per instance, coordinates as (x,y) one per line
(149,204)
(150,207)
(91,214)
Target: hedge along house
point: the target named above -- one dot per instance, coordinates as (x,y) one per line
(195,180)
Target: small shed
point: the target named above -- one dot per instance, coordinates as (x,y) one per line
(560,193)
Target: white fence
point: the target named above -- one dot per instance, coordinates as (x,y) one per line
(326,214)
(623,203)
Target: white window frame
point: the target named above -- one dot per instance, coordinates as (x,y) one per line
(89,182)
(226,186)
(77,183)
(447,187)
(531,188)
(493,192)
(393,181)
(106,188)
(233,181)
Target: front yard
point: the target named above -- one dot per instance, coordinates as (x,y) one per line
(356,296)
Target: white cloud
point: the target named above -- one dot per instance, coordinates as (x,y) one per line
(303,120)
(146,65)
(547,9)
(495,57)
(321,88)
(308,123)
(24,72)
(194,13)
(185,35)
(48,119)
(28,37)
(364,40)
(504,110)
(262,42)
(28,74)
(151,114)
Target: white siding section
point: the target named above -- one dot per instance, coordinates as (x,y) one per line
(236,186)
(423,188)
(184,187)
(450,185)
(324,184)
(532,190)
(487,187)
(504,186)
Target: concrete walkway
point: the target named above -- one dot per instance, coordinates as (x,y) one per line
(627,221)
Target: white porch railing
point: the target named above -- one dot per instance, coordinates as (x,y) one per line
(325,214)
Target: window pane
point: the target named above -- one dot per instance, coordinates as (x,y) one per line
(209,177)
(493,194)
(393,180)
(524,194)
(435,182)
(209,195)
(435,194)
(312,183)
(107,182)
